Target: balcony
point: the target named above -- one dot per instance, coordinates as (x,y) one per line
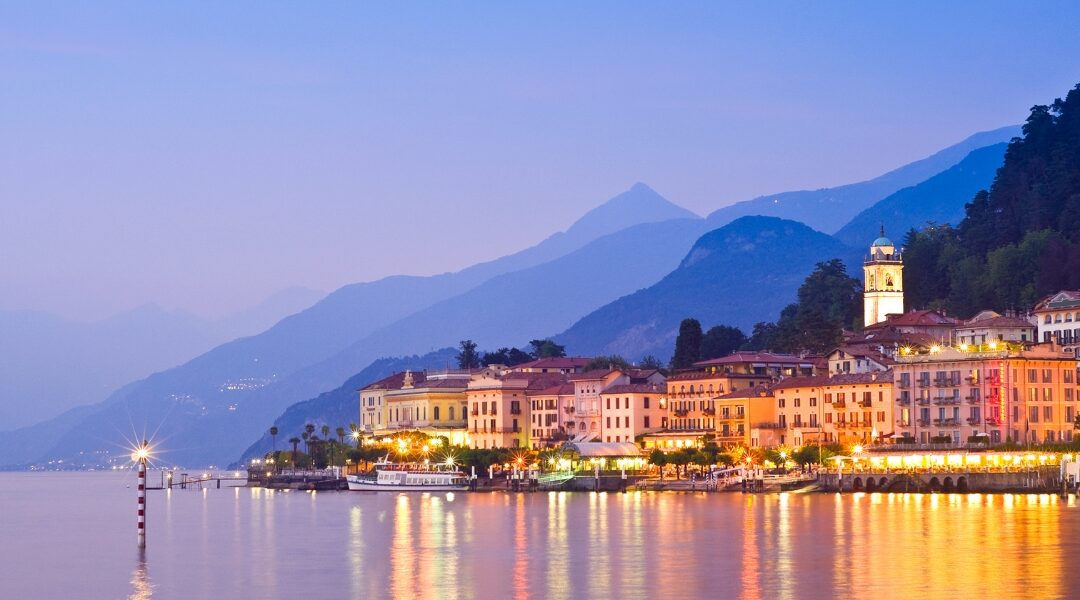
(903,423)
(841,424)
(770,426)
(866,403)
(839,403)
(681,412)
(710,412)
(903,401)
(973,399)
(569,410)
(946,401)
(974,420)
(923,402)
(903,384)
(942,383)
(924,383)
(947,422)
(971,379)
(922,422)
(995,421)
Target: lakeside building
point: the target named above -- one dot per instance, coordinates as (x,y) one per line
(847,408)
(565,365)
(588,421)
(499,406)
(747,417)
(996,390)
(632,409)
(859,358)
(924,326)
(691,396)
(1058,318)
(549,410)
(989,326)
(761,364)
(883,281)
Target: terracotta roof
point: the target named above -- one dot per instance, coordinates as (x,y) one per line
(556,362)
(754,392)
(563,389)
(592,375)
(915,318)
(755,357)
(634,388)
(866,351)
(395,381)
(696,375)
(996,321)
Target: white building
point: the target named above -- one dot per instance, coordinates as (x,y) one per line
(1058,317)
(883,282)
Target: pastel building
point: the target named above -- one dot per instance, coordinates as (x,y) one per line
(747,417)
(499,407)
(549,409)
(587,421)
(989,326)
(845,408)
(632,409)
(692,395)
(999,391)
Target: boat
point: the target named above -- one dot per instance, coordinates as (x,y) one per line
(410,477)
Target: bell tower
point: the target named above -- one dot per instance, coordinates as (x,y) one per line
(883,281)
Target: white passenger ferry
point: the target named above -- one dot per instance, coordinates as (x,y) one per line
(410,477)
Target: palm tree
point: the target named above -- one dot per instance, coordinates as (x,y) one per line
(273,442)
(295,441)
(340,434)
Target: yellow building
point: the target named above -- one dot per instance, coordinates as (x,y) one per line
(427,401)
(855,408)
(549,409)
(747,417)
(691,396)
(500,416)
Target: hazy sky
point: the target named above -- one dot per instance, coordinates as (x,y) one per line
(206,155)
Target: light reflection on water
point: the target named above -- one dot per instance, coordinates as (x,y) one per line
(233,543)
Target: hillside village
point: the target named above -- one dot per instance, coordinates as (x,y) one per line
(908,380)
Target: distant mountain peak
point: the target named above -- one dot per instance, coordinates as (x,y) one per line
(639,204)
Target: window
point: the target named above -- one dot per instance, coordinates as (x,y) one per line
(609,422)
(813,402)
(798,403)
(435,413)
(1047,376)
(646,421)
(781,402)
(1048,395)
(1032,376)
(1033,414)
(646,405)
(609,403)
(1048,413)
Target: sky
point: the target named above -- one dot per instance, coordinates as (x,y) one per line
(202,156)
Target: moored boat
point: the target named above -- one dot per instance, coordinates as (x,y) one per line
(410,477)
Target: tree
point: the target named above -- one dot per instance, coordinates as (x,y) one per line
(763,337)
(547,349)
(680,458)
(467,356)
(659,458)
(607,362)
(650,362)
(273,437)
(721,340)
(687,344)
(295,441)
(506,356)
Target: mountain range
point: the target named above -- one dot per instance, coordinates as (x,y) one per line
(618,280)
(49,364)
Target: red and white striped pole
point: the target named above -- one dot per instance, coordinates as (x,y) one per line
(141,455)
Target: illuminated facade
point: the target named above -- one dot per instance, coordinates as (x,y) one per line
(691,396)
(429,400)
(632,409)
(994,391)
(747,417)
(1058,318)
(549,409)
(843,408)
(883,282)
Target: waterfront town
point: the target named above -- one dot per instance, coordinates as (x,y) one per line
(911,382)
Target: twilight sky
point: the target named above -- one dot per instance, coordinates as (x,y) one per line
(204,156)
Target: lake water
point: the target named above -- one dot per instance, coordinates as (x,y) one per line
(72,535)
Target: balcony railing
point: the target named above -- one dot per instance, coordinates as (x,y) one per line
(569,410)
(923,402)
(974,420)
(841,424)
(903,423)
(866,403)
(682,412)
(903,401)
(839,403)
(924,383)
(709,411)
(515,411)
(769,425)
(993,421)
(973,399)
(946,401)
(947,422)
(923,422)
(903,384)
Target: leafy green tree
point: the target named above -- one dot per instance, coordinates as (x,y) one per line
(607,362)
(765,336)
(506,356)
(721,340)
(547,349)
(650,362)
(468,357)
(660,459)
(687,344)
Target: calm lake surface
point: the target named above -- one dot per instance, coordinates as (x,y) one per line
(72,535)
